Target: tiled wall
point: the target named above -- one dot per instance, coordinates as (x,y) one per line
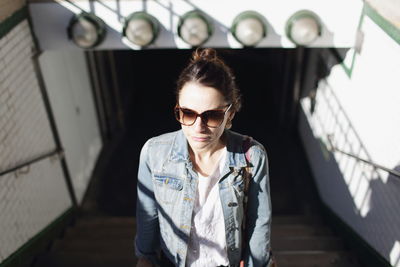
(33,196)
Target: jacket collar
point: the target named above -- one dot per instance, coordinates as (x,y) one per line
(235,156)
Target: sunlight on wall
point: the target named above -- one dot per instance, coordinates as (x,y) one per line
(371,95)
(395,255)
(329,118)
(357,105)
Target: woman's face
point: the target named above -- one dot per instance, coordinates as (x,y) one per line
(201,98)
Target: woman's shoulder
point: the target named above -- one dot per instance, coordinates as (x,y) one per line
(246,141)
(163,139)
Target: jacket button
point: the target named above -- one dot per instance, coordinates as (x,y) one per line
(232,204)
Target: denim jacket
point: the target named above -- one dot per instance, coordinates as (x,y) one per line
(167,186)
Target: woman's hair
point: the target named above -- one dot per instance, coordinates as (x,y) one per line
(207,69)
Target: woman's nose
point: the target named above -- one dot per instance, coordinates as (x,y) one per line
(199,124)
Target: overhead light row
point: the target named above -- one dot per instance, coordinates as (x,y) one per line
(141,29)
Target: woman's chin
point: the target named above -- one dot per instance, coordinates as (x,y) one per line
(199,143)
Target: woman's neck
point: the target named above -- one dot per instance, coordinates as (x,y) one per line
(206,160)
(209,151)
(206,153)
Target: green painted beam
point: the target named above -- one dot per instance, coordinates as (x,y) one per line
(9,23)
(391,30)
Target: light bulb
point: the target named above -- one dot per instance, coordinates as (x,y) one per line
(141,28)
(194,29)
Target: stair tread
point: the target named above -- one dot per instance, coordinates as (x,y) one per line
(315,258)
(297,240)
(121,220)
(296,219)
(307,243)
(84,258)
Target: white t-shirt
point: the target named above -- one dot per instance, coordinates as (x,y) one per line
(207,243)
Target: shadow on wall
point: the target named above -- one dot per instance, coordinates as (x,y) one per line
(364,197)
(388,231)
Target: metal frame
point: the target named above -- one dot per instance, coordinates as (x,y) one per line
(334,148)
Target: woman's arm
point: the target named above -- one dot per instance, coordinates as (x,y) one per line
(147,227)
(258,218)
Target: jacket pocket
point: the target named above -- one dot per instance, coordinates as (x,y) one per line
(167,189)
(168,181)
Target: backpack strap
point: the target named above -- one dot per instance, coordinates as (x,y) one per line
(247,177)
(246,147)
(247,170)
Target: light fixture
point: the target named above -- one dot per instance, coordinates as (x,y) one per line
(141,28)
(86,30)
(303,27)
(194,28)
(249,28)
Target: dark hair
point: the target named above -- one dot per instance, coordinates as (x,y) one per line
(207,69)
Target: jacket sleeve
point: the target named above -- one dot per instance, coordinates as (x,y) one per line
(147,227)
(258,217)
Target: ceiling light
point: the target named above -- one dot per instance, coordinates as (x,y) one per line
(86,30)
(194,28)
(303,27)
(249,28)
(141,28)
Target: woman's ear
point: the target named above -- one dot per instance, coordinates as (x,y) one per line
(229,121)
(231,116)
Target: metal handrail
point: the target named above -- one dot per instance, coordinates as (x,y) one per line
(30,162)
(333,148)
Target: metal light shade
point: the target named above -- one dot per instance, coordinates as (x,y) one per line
(248,28)
(194,28)
(141,28)
(86,30)
(303,28)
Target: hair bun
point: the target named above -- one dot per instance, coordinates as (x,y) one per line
(206,54)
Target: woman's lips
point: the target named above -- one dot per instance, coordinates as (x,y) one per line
(200,139)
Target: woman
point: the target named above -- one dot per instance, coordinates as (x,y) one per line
(192,182)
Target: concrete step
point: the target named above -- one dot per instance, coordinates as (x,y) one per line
(115,245)
(101,232)
(129,231)
(131,221)
(296,241)
(292,230)
(296,219)
(306,243)
(315,259)
(106,221)
(85,259)
(100,244)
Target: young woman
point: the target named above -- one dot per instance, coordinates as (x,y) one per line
(198,187)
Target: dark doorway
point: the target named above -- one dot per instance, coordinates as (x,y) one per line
(146,81)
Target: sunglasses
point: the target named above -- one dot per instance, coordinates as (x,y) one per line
(212,118)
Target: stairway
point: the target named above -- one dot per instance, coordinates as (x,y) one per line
(108,241)
(300,241)
(104,234)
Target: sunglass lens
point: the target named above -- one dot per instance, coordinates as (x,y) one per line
(213,118)
(188,116)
